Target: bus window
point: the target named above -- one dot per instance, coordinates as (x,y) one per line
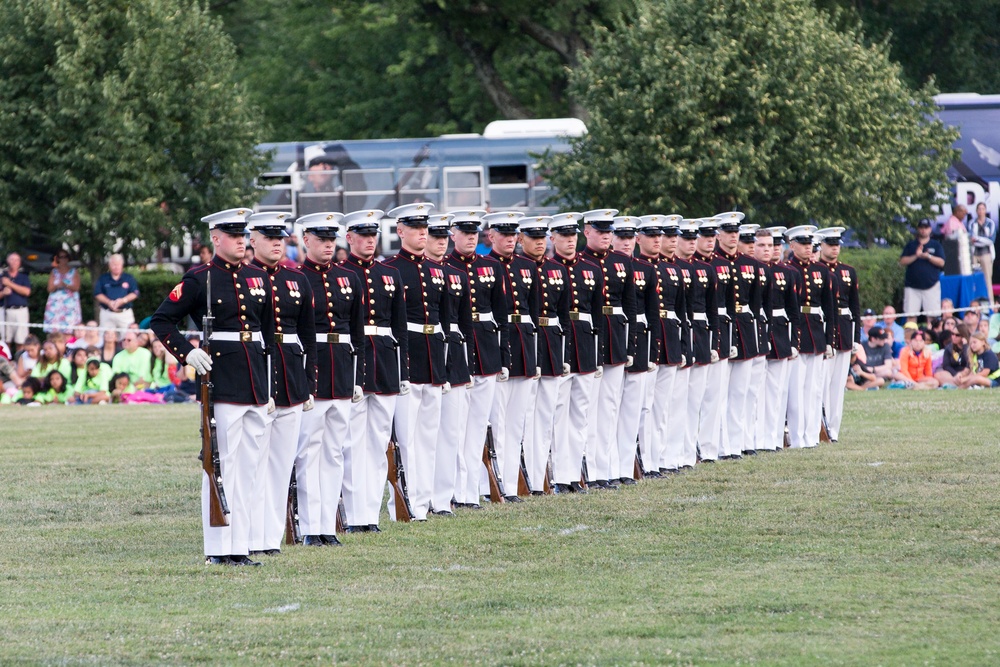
(367,188)
(463,187)
(508,186)
(278,192)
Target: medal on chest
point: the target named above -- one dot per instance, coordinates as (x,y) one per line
(747,273)
(620,269)
(588,277)
(293,289)
(640,278)
(673,274)
(762,275)
(817,278)
(723,273)
(345,285)
(256,286)
(526,276)
(687,276)
(486,274)
(845,275)
(437,276)
(702,276)
(455,282)
(779,278)
(555,277)
(389,283)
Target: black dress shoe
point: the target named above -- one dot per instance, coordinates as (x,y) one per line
(687,467)
(628,481)
(577,487)
(356,529)
(256,553)
(271,552)
(513,499)
(243,560)
(707,461)
(475,506)
(665,471)
(313,541)
(561,488)
(654,474)
(331,541)
(217,560)
(749,452)
(442,513)
(373,528)
(538,493)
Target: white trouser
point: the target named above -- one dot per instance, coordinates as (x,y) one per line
(539,436)
(629,414)
(755,402)
(815,381)
(573,416)
(771,420)
(274,472)
(662,390)
(418,420)
(240,429)
(795,412)
(120,320)
(602,442)
(836,386)
(697,380)
(712,410)
(647,422)
(365,464)
(470,457)
(739,389)
(454,417)
(324,441)
(512,412)
(677,424)
(805,401)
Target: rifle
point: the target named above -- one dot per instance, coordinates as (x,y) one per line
(341,526)
(397,480)
(293,535)
(638,470)
(490,461)
(824,433)
(523,481)
(583,472)
(787,442)
(218,508)
(547,483)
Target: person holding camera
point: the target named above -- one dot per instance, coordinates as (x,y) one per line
(923,258)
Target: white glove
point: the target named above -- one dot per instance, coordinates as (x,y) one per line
(733,352)
(504,375)
(599,373)
(309,404)
(684,360)
(199,360)
(795,353)
(829,352)
(629,360)
(538,372)
(359,394)
(271,407)
(856,348)
(652,366)
(715,356)
(445,388)
(566,369)
(404,387)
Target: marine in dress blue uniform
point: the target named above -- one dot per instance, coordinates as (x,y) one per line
(846,330)
(758,363)
(428,326)
(338,336)
(385,351)
(712,434)
(243,333)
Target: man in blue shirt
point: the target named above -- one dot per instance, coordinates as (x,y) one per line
(15,288)
(115,291)
(923,258)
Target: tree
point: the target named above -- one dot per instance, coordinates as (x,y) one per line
(700,107)
(121,123)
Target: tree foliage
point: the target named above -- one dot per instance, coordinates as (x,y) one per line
(759,105)
(121,122)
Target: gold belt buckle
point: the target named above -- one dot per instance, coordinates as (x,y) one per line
(279,338)
(333,338)
(428,329)
(544,321)
(664,314)
(475,317)
(608,310)
(515,318)
(246,336)
(574,314)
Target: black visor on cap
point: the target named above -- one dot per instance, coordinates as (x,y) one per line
(601,225)
(832,240)
(689,234)
(438,231)
(274,232)
(466,226)
(625,233)
(505,228)
(323,232)
(708,231)
(413,221)
(235,228)
(365,230)
(729,227)
(536,232)
(653,231)
(566,230)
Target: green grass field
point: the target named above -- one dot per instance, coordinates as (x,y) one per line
(881,550)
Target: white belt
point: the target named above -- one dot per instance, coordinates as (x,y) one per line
(669,315)
(425,329)
(583,317)
(700,317)
(517,318)
(371,330)
(641,319)
(613,310)
(549,322)
(779,312)
(287,338)
(335,338)
(483,317)
(722,311)
(238,336)
(845,311)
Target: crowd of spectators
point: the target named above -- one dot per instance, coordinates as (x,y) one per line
(950,351)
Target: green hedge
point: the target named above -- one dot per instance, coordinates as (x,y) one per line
(154,286)
(880,277)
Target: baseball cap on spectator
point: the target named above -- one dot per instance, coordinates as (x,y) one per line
(924,223)
(869,313)
(911,325)
(877,332)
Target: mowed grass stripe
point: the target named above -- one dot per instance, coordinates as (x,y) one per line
(882,549)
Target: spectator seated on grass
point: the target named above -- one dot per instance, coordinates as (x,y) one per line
(971,319)
(10,381)
(889,324)
(28,356)
(77,365)
(134,360)
(868,320)
(55,389)
(164,375)
(915,364)
(955,359)
(878,354)
(984,368)
(92,387)
(29,394)
(860,376)
(123,391)
(50,360)
(87,337)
